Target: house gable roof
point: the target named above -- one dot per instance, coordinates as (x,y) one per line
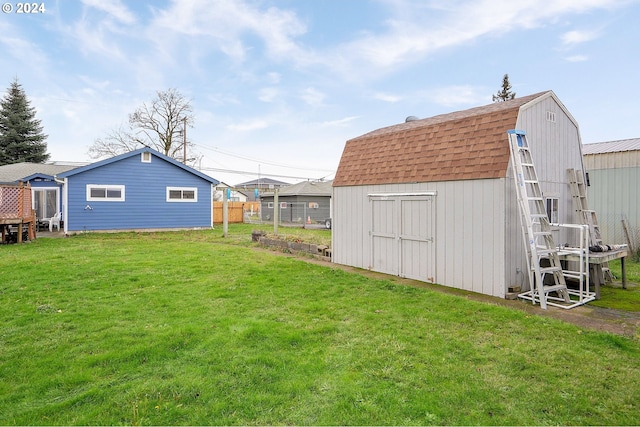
(26,171)
(136,153)
(308,188)
(468,144)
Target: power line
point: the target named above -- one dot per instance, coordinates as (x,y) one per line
(240,156)
(261,174)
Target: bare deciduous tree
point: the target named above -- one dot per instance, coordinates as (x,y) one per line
(159,125)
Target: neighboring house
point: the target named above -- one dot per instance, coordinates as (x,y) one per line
(233,195)
(434,199)
(614,179)
(306,201)
(258,186)
(139,190)
(46,192)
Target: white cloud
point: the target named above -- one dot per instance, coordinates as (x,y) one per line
(114,8)
(340,122)
(575,37)
(577,58)
(452,96)
(386,97)
(313,97)
(248,125)
(228,26)
(416,29)
(268,94)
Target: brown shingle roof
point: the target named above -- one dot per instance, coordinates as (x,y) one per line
(468,144)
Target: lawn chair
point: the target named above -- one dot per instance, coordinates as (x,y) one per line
(54,220)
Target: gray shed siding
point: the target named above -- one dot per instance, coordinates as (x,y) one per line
(613,194)
(469,249)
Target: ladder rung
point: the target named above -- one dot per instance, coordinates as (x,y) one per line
(545,270)
(542,233)
(554,288)
(546,251)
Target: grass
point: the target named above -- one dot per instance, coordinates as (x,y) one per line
(189,328)
(612,295)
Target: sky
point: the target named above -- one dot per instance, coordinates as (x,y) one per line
(278,87)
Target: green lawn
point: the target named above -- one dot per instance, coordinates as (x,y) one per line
(189,328)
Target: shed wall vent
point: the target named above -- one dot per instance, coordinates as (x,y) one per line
(551,116)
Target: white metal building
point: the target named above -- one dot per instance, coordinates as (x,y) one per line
(614,178)
(434,199)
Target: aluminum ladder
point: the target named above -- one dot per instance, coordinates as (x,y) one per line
(536,230)
(587,216)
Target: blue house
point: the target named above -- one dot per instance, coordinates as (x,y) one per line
(139,190)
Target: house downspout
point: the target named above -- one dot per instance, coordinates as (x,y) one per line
(65,197)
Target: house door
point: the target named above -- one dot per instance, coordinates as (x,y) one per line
(45,202)
(402,232)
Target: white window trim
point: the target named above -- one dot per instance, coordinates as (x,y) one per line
(195,194)
(145,157)
(106,187)
(549,202)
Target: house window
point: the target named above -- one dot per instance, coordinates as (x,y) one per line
(552,209)
(105,193)
(313,205)
(270,205)
(145,157)
(182,194)
(283,205)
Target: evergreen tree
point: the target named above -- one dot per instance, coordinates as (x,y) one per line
(21,137)
(505,93)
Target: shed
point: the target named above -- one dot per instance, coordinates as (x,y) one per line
(304,202)
(434,199)
(139,190)
(614,179)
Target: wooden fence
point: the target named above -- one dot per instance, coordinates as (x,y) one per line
(236,211)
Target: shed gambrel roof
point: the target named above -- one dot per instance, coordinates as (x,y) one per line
(468,144)
(135,153)
(611,146)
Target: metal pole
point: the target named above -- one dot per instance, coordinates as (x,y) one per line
(225,213)
(276,211)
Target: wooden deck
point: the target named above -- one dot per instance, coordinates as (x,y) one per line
(16,211)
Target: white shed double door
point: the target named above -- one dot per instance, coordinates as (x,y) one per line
(402,235)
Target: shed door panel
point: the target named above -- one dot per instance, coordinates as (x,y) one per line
(384,236)
(402,236)
(416,239)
